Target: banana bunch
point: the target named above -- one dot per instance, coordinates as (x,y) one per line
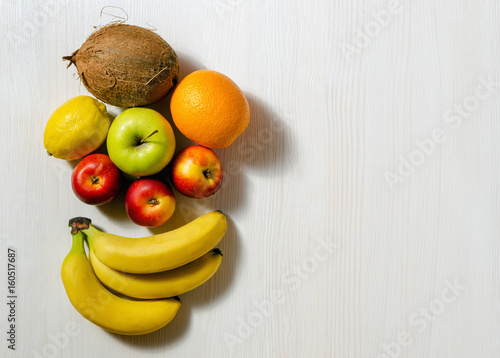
(152,271)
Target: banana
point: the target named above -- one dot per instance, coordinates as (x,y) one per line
(159,252)
(162,284)
(108,311)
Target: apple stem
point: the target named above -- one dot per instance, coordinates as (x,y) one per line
(94,180)
(153,202)
(144,139)
(207,173)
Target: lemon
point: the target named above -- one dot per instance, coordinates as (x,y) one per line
(77,128)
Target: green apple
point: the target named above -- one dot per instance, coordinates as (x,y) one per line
(140,142)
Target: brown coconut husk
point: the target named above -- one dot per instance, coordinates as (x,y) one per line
(126,65)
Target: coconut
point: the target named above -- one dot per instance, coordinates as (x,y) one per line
(126,65)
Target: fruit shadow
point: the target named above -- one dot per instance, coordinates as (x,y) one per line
(261,150)
(218,286)
(187,210)
(265,142)
(203,295)
(169,334)
(115,210)
(188,64)
(263,146)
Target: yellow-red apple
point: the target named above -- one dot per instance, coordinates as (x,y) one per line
(149,202)
(197,172)
(96,180)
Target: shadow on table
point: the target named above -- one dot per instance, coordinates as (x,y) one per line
(260,150)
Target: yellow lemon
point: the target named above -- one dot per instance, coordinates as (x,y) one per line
(77,128)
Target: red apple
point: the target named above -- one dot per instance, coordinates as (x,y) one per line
(149,202)
(197,172)
(96,180)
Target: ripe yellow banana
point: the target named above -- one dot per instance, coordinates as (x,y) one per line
(159,252)
(110,312)
(162,284)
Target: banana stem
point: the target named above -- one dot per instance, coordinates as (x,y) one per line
(79,223)
(77,246)
(90,233)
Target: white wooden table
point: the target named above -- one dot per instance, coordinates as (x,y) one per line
(363,199)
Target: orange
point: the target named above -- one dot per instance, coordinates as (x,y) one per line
(209,109)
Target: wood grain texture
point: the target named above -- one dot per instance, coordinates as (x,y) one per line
(363,199)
